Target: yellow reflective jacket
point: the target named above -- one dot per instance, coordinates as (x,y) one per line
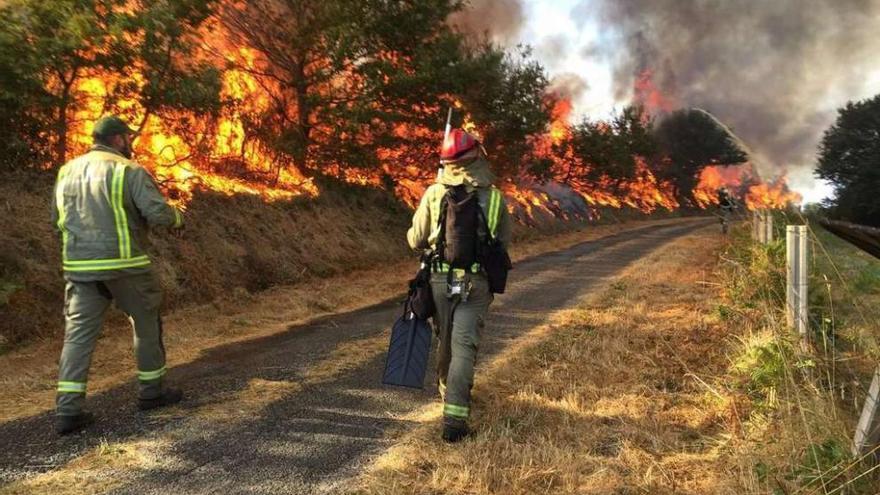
(475,175)
(103,205)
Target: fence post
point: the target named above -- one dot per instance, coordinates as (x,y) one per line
(755,223)
(868,430)
(762,226)
(797,280)
(768,227)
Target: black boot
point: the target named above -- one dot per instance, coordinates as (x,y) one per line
(454,429)
(169,397)
(65,425)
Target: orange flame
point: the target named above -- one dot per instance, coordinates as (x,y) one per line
(742,182)
(230,164)
(649,96)
(189,152)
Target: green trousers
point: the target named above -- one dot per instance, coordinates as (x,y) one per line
(459,343)
(138,296)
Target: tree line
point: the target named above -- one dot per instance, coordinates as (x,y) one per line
(849,159)
(343,81)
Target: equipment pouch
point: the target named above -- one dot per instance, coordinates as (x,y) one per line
(496,262)
(421,298)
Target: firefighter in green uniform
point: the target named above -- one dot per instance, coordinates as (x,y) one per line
(103,205)
(464,164)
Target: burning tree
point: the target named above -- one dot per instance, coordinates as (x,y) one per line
(58,50)
(260,97)
(691,140)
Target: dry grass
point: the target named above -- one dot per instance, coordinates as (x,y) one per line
(28,375)
(100,470)
(802,404)
(610,397)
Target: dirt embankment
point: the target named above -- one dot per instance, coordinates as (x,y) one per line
(232,246)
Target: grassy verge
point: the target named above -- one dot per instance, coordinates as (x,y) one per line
(613,396)
(681,378)
(800,405)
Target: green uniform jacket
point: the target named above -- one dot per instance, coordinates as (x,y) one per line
(103,206)
(475,175)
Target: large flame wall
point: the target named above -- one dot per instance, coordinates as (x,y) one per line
(216,153)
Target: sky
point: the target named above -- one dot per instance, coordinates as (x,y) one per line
(775,72)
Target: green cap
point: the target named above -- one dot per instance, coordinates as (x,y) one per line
(111,125)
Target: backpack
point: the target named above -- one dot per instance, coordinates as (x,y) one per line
(466,240)
(458,242)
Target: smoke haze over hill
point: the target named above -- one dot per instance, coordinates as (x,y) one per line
(775,72)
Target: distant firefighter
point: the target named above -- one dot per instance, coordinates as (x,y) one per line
(726,205)
(104,203)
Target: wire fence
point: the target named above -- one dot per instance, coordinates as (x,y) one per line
(843,338)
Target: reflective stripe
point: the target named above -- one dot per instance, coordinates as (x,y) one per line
(178,218)
(460,412)
(72,387)
(116,200)
(146,376)
(443,268)
(62,215)
(494,210)
(104,265)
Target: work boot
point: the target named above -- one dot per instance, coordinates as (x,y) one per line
(454,429)
(65,425)
(169,397)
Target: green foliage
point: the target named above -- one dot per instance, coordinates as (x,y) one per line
(822,461)
(346,75)
(48,46)
(868,280)
(849,158)
(724,312)
(755,278)
(762,363)
(691,140)
(610,148)
(507,95)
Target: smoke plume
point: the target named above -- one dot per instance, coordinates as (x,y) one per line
(500,20)
(568,85)
(774,71)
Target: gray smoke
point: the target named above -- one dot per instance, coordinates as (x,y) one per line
(569,85)
(774,71)
(499,20)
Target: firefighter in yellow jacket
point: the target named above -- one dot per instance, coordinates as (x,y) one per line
(103,205)
(462,295)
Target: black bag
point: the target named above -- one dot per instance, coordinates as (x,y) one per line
(458,240)
(408,352)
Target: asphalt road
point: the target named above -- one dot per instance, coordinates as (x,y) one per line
(313,439)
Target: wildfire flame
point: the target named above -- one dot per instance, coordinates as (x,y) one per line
(743,183)
(187,152)
(216,157)
(649,96)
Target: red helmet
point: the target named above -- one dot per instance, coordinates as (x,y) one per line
(456,144)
